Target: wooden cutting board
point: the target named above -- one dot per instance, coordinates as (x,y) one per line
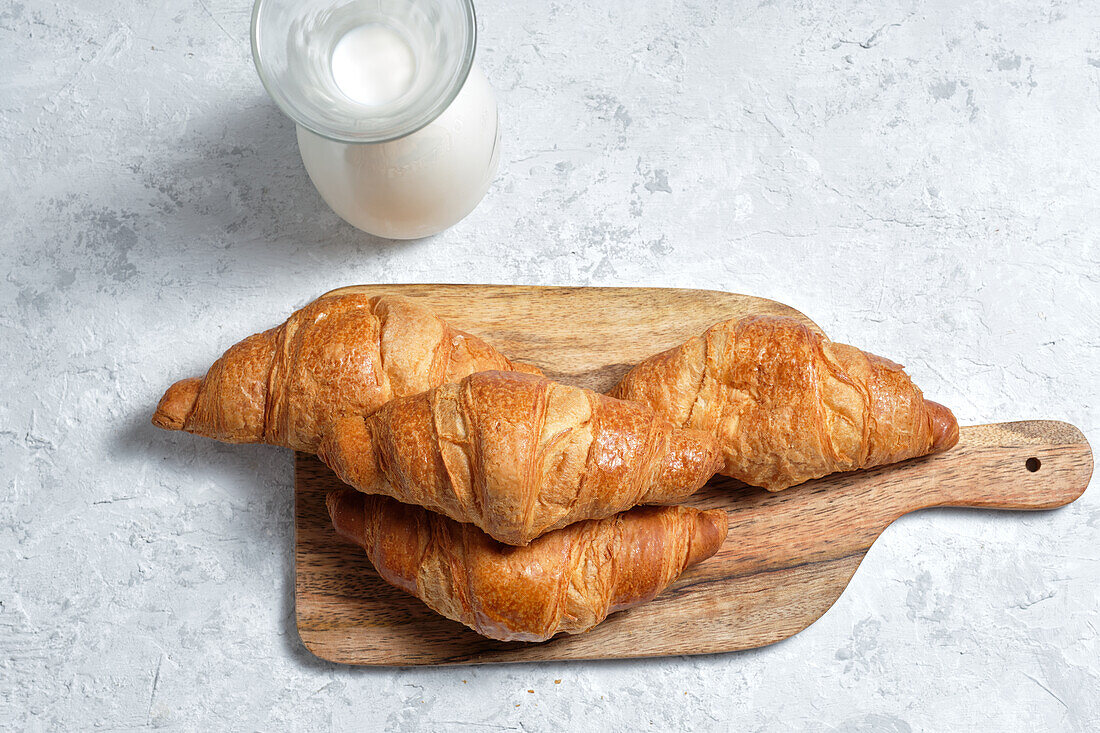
(787,558)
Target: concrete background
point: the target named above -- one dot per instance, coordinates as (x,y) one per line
(922,178)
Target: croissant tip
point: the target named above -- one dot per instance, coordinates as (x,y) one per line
(177,403)
(345,508)
(710,532)
(945,428)
(332,502)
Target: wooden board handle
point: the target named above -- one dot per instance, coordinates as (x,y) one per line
(842,514)
(1037,464)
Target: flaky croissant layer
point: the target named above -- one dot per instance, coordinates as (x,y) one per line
(339,355)
(566,581)
(519,455)
(788,405)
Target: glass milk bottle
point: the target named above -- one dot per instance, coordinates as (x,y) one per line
(396,126)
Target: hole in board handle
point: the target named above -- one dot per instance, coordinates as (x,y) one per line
(1033,464)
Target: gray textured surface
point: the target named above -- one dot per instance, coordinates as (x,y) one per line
(923,179)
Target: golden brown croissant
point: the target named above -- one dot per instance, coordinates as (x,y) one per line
(566,581)
(339,355)
(788,405)
(519,455)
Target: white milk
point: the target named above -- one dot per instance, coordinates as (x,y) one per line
(417,185)
(372,64)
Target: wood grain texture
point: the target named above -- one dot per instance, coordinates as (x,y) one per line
(788,555)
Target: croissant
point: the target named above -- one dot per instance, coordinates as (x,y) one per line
(519,455)
(788,405)
(339,355)
(566,581)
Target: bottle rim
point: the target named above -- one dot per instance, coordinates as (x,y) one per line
(420,116)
